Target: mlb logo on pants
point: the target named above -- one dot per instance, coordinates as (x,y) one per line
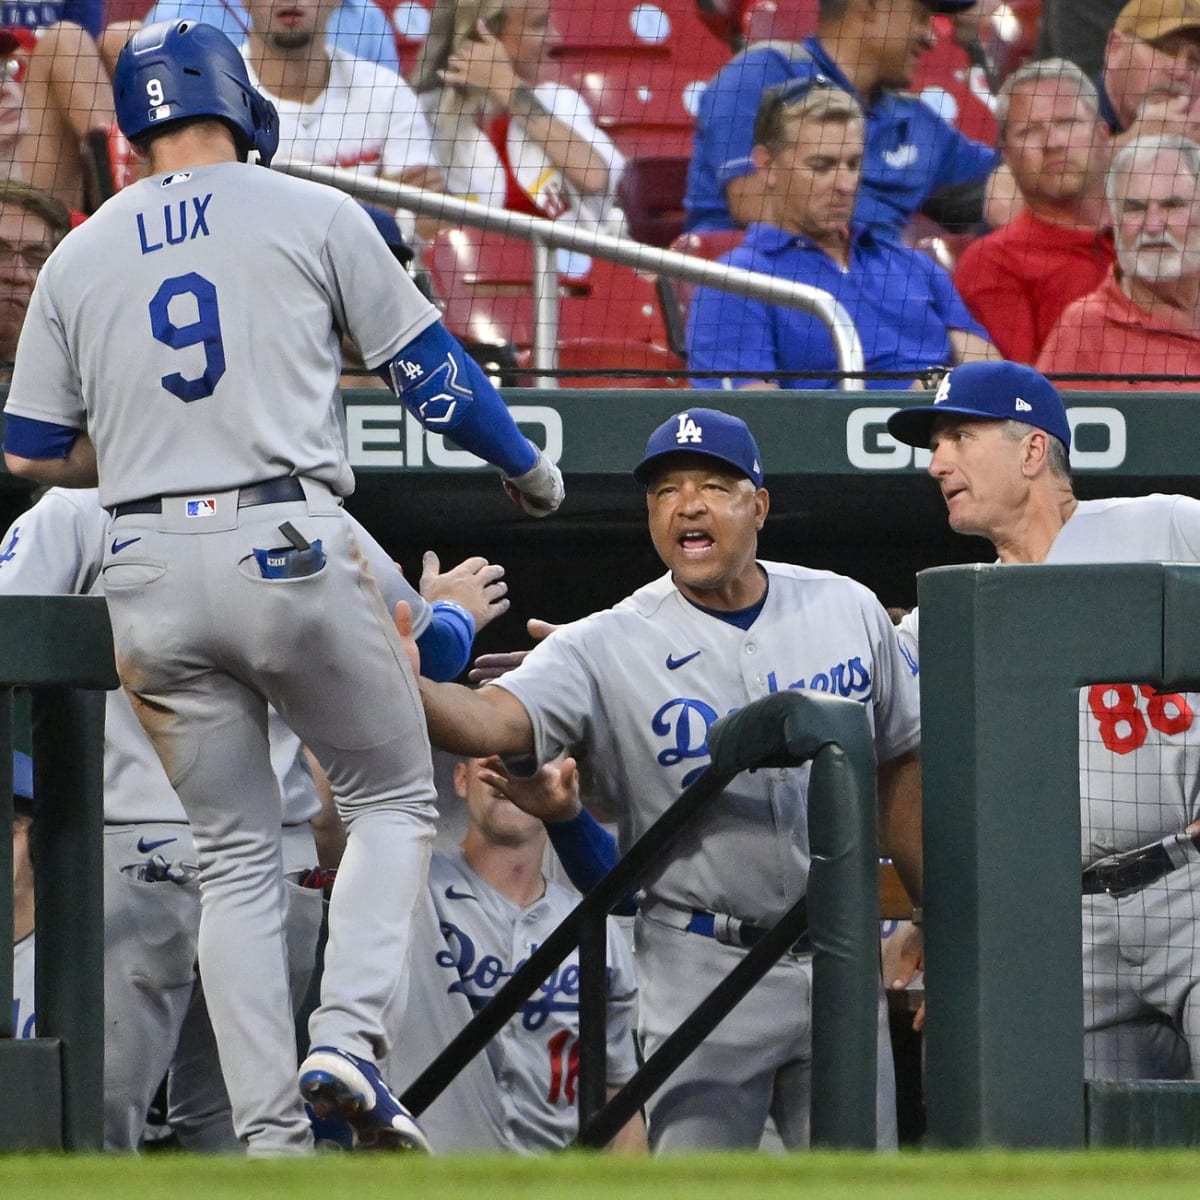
(202,508)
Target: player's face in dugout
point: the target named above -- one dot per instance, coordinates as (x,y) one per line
(704,523)
(977,465)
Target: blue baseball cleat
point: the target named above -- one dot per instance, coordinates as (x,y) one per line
(340,1085)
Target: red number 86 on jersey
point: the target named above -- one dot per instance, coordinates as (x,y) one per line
(1124,726)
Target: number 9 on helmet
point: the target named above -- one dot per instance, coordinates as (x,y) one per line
(173,71)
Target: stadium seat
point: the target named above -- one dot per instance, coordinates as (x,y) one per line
(675,295)
(609,315)
(126,10)
(955,86)
(651,194)
(782,20)
(647,108)
(723,19)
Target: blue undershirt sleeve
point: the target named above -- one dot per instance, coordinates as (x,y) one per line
(447,391)
(31,438)
(587,852)
(445,645)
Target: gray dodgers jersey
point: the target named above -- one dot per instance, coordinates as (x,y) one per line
(56,549)
(149,328)
(1139,754)
(468,941)
(639,685)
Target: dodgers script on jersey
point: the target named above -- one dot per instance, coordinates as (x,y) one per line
(257,347)
(520,1094)
(1139,752)
(662,671)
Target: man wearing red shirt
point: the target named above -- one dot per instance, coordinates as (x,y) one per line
(1017,280)
(1144,319)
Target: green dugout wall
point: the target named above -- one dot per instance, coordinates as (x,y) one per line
(1004,651)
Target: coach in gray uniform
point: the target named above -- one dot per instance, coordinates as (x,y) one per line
(183,347)
(637,687)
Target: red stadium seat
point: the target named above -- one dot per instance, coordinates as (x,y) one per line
(126,10)
(779,20)
(954,86)
(646,108)
(609,316)
(675,295)
(651,193)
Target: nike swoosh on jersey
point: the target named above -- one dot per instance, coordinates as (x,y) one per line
(117,547)
(673,663)
(144,847)
(451,894)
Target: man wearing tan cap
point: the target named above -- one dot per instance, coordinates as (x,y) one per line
(1152,66)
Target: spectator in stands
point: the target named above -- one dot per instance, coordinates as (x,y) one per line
(68,128)
(913,159)
(503,138)
(1076,30)
(336,109)
(809,152)
(1144,319)
(359,27)
(1152,68)
(1017,280)
(32,223)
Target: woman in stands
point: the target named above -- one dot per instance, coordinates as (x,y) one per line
(503,138)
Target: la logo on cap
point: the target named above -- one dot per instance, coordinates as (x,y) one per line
(688,430)
(943,390)
(1023,405)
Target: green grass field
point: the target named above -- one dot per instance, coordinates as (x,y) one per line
(1098,1175)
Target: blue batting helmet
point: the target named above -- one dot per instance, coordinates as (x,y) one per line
(174,70)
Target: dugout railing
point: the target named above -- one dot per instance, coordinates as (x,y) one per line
(840,912)
(1004,651)
(60,648)
(547,237)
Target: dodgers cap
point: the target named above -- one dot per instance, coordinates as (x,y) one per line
(704,431)
(1150,20)
(996,391)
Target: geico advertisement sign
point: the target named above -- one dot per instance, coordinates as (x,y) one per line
(388,435)
(870,447)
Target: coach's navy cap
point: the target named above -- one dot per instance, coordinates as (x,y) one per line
(22,771)
(997,391)
(704,431)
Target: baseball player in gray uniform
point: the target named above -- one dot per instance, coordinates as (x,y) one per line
(489,907)
(200,387)
(637,688)
(24,1010)
(1000,442)
(156,1020)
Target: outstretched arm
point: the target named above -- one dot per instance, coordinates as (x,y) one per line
(447,391)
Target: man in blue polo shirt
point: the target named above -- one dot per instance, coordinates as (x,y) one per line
(809,153)
(867,47)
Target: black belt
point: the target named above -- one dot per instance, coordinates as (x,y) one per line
(1135,869)
(271,491)
(739,933)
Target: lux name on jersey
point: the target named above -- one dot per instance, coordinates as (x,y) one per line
(180,221)
(684,722)
(479,978)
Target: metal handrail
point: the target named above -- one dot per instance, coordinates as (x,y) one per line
(548,235)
